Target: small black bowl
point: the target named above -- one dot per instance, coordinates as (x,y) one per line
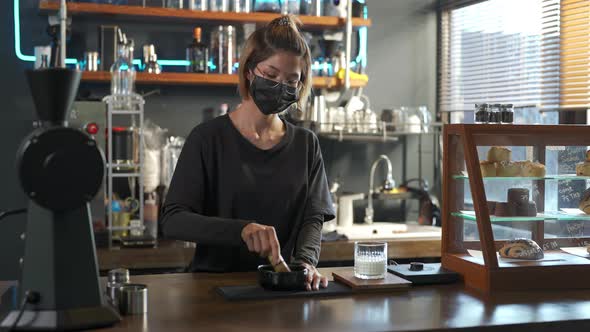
(284,281)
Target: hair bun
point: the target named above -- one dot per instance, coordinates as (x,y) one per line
(286,21)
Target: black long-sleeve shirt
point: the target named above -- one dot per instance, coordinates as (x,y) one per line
(222,182)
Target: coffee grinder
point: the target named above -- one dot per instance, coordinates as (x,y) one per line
(60,169)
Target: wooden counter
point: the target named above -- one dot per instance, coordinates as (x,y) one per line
(175,254)
(188,302)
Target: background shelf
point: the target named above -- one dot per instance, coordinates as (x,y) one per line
(171,14)
(202,79)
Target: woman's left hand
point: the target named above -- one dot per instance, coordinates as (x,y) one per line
(314,279)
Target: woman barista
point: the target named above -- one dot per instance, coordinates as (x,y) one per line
(249,185)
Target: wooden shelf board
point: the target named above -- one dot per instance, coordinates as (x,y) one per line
(316,22)
(201,79)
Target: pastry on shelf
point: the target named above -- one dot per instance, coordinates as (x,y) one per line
(499,153)
(585,202)
(492,207)
(518,195)
(508,169)
(532,169)
(488,168)
(583,168)
(527,210)
(503,209)
(521,249)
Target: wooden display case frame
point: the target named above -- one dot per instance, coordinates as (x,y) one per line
(492,275)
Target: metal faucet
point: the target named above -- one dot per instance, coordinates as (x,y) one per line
(387,185)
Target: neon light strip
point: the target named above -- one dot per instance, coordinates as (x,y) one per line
(362,56)
(17,46)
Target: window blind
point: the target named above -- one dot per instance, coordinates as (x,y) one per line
(575,54)
(499,51)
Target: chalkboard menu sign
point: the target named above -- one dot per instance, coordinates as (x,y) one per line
(570,192)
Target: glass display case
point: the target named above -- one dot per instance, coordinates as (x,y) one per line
(516,210)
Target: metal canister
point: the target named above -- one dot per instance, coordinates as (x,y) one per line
(116,279)
(133,299)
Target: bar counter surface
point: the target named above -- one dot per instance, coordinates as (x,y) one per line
(189,302)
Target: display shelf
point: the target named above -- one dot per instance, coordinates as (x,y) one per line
(203,79)
(180,15)
(470,215)
(489,273)
(561,177)
(545,216)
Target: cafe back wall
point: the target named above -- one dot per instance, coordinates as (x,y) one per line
(401,67)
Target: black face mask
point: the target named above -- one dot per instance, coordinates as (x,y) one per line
(272,97)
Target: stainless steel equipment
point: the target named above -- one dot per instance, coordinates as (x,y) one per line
(387,185)
(133,299)
(118,106)
(90,117)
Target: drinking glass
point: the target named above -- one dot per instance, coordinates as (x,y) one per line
(370,260)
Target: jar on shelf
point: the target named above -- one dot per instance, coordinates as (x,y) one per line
(507,113)
(495,115)
(482,113)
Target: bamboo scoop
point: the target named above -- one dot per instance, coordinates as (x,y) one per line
(281,266)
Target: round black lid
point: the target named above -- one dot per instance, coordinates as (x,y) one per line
(60,168)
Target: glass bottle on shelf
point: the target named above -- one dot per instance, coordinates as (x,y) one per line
(201,5)
(270,6)
(197,54)
(241,6)
(219,6)
(290,7)
(178,4)
(122,71)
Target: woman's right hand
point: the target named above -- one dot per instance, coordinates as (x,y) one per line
(262,240)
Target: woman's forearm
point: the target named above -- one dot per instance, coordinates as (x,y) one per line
(180,223)
(309,241)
